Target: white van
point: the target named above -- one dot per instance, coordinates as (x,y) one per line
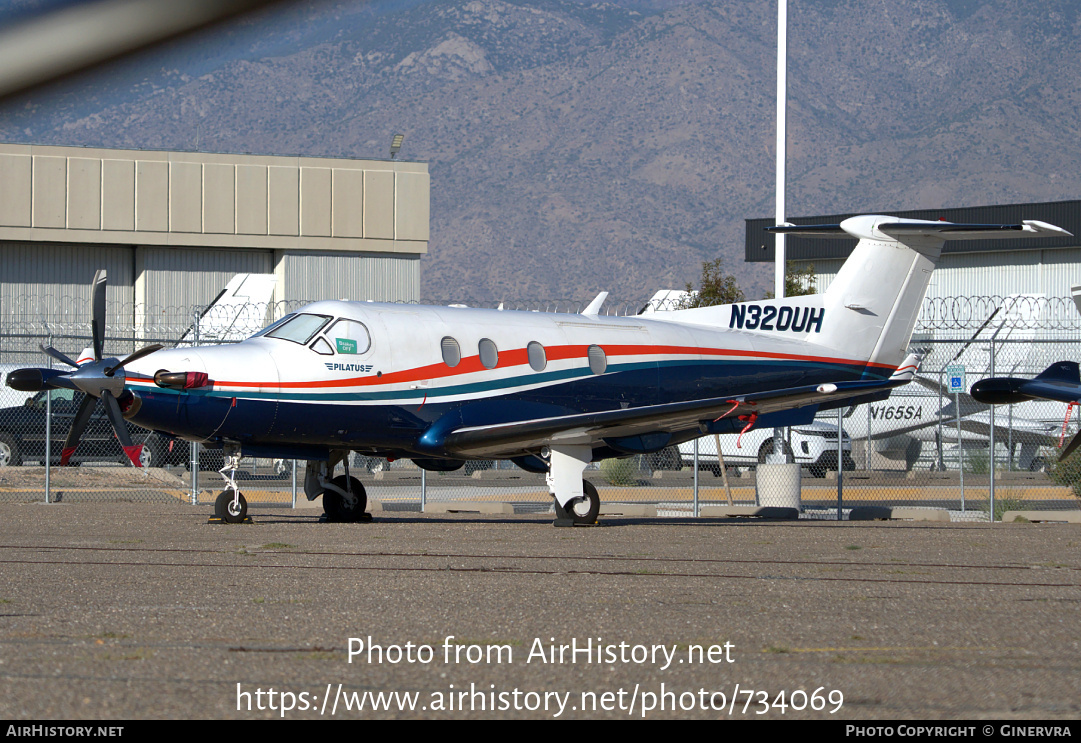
(813,445)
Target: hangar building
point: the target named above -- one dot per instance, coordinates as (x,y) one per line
(171,228)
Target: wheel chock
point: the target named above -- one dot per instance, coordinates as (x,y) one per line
(364,518)
(220,520)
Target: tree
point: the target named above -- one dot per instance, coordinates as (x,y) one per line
(797,283)
(716,287)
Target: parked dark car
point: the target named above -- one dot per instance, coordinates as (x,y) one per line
(22,435)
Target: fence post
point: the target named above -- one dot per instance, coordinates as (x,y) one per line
(193,466)
(423,489)
(294,483)
(841,462)
(48,433)
(696,475)
(991,458)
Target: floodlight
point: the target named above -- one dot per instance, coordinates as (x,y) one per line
(396,144)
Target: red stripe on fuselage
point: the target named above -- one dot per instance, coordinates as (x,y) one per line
(519,357)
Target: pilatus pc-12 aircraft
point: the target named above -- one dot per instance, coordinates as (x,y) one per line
(551,392)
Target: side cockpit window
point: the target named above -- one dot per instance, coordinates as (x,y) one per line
(322,347)
(349,337)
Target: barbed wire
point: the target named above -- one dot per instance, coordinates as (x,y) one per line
(68,315)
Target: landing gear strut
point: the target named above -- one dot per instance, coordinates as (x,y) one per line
(230,505)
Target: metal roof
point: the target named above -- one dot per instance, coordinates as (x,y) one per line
(1065,214)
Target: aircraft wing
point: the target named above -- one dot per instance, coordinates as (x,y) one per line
(596,428)
(1026,434)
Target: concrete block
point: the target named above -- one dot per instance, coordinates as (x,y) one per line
(303,502)
(887,513)
(761,512)
(673,475)
(920,514)
(496,474)
(1070,517)
(469,507)
(646,510)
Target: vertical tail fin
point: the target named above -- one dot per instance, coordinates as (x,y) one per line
(873,303)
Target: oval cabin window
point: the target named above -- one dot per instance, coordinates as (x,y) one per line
(538,359)
(452,354)
(598,362)
(489,354)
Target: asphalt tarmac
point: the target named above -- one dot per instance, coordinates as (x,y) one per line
(113,610)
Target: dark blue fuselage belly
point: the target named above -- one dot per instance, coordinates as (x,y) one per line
(308,429)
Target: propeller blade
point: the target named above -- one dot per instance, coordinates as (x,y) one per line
(62,358)
(112,409)
(82,417)
(1074,443)
(135,356)
(97,320)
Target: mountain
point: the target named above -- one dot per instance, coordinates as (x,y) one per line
(576,147)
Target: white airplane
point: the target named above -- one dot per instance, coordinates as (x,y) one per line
(913,417)
(552,392)
(901,428)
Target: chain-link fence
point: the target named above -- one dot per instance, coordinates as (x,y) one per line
(923,448)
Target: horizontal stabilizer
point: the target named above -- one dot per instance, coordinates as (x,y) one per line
(875,227)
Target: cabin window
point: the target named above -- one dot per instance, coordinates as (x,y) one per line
(598,362)
(322,347)
(538,359)
(489,354)
(452,354)
(300,329)
(348,337)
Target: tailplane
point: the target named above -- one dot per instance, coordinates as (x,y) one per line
(870,308)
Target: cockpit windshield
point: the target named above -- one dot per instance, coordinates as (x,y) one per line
(273,325)
(297,328)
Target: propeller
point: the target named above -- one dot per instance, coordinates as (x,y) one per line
(100,379)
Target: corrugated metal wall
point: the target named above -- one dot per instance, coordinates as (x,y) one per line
(183,278)
(51,282)
(1051,272)
(357,276)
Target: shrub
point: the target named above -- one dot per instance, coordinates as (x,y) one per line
(620,471)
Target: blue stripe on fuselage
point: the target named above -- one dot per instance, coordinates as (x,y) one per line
(312,418)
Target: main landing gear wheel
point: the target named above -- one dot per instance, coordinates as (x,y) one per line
(229,511)
(584,510)
(335,506)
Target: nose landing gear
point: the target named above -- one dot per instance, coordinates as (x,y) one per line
(230,505)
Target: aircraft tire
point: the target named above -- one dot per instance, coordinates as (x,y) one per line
(584,510)
(334,505)
(223,508)
(219,504)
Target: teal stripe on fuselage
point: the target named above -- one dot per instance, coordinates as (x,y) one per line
(511,384)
